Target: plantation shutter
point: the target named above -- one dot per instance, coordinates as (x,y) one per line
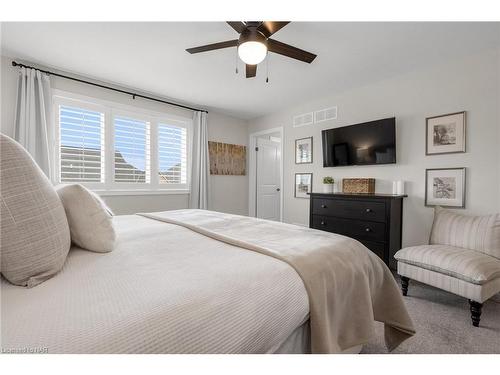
(81,145)
(172,154)
(132,150)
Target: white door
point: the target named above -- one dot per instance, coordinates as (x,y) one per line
(268,179)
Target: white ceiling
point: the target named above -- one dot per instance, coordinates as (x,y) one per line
(152,57)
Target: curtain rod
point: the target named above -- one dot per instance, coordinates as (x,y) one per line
(134,95)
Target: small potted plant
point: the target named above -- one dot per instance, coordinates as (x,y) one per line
(328,184)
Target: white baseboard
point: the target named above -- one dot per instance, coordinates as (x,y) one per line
(301,224)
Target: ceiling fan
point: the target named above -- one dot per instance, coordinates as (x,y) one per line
(254,43)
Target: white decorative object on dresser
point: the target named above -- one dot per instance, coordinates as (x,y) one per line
(398,187)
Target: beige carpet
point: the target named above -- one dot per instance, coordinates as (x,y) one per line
(443,324)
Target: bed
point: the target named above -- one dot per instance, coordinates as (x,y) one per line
(164,289)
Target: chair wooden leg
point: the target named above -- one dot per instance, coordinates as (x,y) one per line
(404,285)
(475,311)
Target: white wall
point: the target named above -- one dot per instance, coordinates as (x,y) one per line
(8,85)
(471,85)
(229,193)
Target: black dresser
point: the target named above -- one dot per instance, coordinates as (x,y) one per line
(376,220)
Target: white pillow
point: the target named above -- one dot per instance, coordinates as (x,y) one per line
(90,220)
(34,231)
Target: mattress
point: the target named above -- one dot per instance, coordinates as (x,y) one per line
(164,289)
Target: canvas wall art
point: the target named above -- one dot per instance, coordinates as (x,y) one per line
(227,159)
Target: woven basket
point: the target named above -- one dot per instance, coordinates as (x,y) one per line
(358,185)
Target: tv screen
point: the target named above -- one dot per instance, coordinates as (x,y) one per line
(368,143)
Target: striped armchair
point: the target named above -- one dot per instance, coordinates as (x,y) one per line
(463,258)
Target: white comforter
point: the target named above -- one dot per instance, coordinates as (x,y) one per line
(164,289)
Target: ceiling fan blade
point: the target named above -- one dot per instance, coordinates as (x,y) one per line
(211,47)
(289,51)
(251,70)
(268,28)
(238,26)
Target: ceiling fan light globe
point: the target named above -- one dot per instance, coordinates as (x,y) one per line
(252,52)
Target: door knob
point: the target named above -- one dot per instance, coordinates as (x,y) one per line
(368,230)
(323,206)
(368,210)
(323,223)
(278,189)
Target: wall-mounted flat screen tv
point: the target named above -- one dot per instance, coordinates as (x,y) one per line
(367,143)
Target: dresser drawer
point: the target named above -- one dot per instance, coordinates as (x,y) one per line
(351,209)
(376,247)
(358,229)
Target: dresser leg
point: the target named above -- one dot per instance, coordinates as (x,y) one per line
(475,312)
(404,285)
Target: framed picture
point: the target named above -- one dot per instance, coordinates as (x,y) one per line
(303,184)
(445,187)
(445,134)
(304,150)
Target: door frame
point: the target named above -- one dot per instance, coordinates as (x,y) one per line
(252,170)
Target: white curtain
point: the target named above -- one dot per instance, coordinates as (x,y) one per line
(33,125)
(200,170)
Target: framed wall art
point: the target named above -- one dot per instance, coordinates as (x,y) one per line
(303,185)
(445,134)
(304,150)
(445,187)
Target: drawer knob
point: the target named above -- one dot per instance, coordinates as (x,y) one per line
(323,206)
(368,230)
(323,223)
(368,210)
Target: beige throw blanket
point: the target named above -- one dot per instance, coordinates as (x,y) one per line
(348,286)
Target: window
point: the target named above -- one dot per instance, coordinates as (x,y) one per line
(172,154)
(132,150)
(82,145)
(119,149)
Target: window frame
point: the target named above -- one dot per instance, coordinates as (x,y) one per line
(111,110)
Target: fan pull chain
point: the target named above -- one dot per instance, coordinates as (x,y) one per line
(267,67)
(236,62)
